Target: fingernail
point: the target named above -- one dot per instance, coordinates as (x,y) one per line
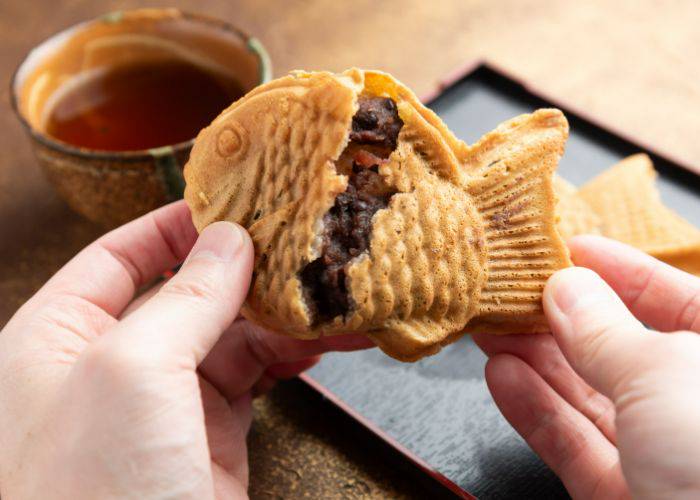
(572,286)
(220,240)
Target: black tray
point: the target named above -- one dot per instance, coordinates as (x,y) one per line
(438,411)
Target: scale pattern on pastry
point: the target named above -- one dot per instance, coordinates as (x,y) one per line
(368,215)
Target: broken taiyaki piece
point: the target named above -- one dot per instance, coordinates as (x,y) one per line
(575,215)
(368,215)
(628,203)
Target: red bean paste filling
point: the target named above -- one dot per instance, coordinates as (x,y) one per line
(348,224)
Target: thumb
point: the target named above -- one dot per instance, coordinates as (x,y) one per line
(598,335)
(188,314)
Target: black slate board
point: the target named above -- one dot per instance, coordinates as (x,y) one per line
(439,408)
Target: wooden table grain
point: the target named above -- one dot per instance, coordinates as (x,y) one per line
(633,63)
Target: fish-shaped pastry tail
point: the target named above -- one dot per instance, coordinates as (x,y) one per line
(515,196)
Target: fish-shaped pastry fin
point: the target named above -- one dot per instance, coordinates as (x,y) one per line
(368,215)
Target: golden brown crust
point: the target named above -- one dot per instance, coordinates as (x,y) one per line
(469,235)
(628,203)
(575,215)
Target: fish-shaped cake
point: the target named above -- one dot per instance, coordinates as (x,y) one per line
(368,215)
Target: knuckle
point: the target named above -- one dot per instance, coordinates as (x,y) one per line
(199,290)
(604,349)
(689,316)
(641,284)
(63,306)
(75,315)
(598,408)
(595,342)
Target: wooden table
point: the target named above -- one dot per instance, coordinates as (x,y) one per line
(634,64)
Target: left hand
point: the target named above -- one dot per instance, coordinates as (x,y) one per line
(104,396)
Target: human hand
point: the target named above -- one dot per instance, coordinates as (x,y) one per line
(103,396)
(610,406)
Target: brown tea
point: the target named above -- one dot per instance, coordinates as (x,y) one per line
(141,106)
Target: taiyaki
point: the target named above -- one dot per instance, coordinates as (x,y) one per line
(629,206)
(368,215)
(575,215)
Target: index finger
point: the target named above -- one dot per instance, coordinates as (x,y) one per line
(659,295)
(109,271)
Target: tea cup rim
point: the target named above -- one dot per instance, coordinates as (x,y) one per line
(251,43)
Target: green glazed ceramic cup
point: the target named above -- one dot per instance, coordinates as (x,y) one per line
(114,187)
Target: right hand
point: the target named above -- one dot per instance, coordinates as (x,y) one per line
(612,407)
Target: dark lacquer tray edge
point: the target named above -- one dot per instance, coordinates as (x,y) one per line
(376,430)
